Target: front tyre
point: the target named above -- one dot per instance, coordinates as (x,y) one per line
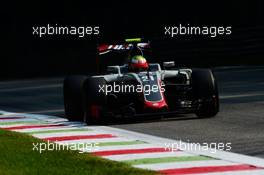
(95,100)
(206,92)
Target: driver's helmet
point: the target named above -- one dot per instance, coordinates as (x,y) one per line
(138,63)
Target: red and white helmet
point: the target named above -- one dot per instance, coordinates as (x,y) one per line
(138,63)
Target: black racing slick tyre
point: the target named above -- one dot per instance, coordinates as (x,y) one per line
(206,92)
(95,100)
(73,97)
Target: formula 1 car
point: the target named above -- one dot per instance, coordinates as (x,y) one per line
(176,91)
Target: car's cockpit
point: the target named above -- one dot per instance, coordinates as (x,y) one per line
(125,69)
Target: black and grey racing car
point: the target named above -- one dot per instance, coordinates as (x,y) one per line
(177,90)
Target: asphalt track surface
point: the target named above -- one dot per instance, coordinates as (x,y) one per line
(240,121)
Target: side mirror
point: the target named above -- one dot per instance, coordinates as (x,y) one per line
(168,64)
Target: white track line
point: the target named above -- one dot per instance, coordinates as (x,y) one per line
(36,129)
(65,134)
(53,129)
(174,165)
(19,120)
(47,129)
(244,172)
(114,139)
(147,155)
(124,147)
(45,111)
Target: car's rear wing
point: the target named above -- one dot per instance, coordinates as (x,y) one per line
(120,52)
(126,45)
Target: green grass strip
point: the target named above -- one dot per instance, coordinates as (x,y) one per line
(166,160)
(111,143)
(17,157)
(22,122)
(59,131)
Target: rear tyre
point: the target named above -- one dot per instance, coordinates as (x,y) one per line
(73,97)
(95,100)
(206,92)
